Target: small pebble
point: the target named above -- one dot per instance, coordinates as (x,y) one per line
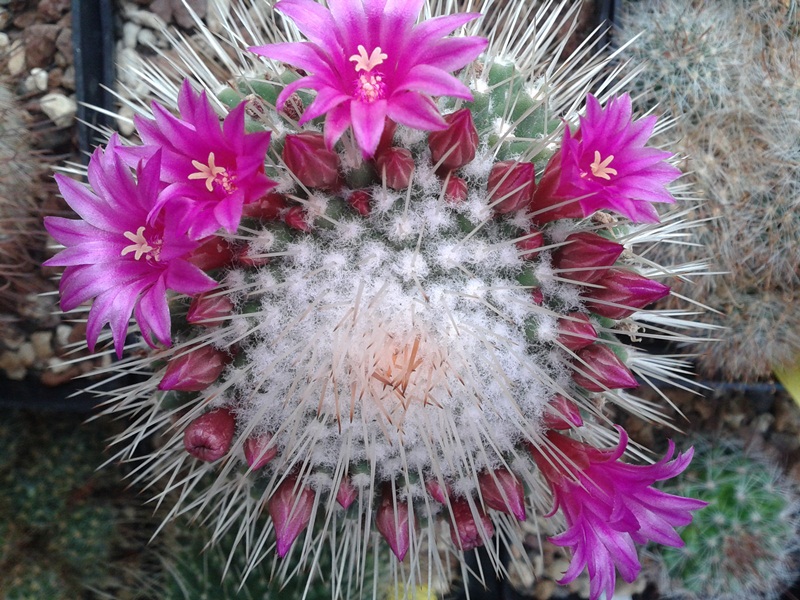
(59,108)
(36,81)
(26,354)
(16,58)
(43,344)
(130,31)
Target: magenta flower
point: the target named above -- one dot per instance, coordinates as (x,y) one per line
(606,166)
(367,60)
(217,169)
(122,254)
(610,505)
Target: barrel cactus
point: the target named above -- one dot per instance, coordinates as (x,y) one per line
(384,280)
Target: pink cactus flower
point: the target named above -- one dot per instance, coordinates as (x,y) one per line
(605,165)
(217,170)
(609,506)
(368,60)
(124,252)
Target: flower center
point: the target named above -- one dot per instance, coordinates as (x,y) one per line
(369,86)
(140,245)
(213,174)
(600,168)
(368,62)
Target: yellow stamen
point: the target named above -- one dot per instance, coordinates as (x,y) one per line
(208,172)
(601,169)
(139,246)
(368,62)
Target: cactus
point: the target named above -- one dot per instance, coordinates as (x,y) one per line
(728,72)
(745,543)
(420,311)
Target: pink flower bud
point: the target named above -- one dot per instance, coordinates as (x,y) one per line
(622,293)
(214,253)
(392,522)
(307,157)
(467,532)
(347,493)
(208,309)
(576,331)
(438,492)
(258,451)
(586,256)
(267,207)
(605,367)
(562,413)
(512,184)
(537,296)
(546,205)
(290,507)
(395,166)
(457,144)
(361,200)
(296,218)
(502,491)
(195,370)
(209,436)
(529,244)
(455,190)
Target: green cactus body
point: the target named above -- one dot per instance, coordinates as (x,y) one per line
(744,543)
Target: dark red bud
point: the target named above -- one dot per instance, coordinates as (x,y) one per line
(361,200)
(347,493)
(562,413)
(391,521)
(209,309)
(501,490)
(622,293)
(545,205)
(268,207)
(511,184)
(455,190)
(469,529)
(586,256)
(195,370)
(395,167)
(258,450)
(456,145)
(209,436)
(307,157)
(214,253)
(576,331)
(296,218)
(537,297)
(438,492)
(529,244)
(606,369)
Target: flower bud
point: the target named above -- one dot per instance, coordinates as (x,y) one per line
(392,522)
(576,331)
(296,218)
(395,166)
(214,253)
(546,205)
(361,200)
(455,190)
(537,296)
(562,413)
(469,530)
(195,370)
(529,244)
(209,309)
(290,507)
(347,493)
(623,292)
(457,143)
(440,493)
(268,207)
(258,452)
(307,157)
(605,368)
(501,490)
(209,436)
(511,184)
(586,256)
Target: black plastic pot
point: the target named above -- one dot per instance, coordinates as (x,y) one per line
(93,41)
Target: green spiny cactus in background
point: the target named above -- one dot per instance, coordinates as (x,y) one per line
(20,228)
(745,543)
(728,71)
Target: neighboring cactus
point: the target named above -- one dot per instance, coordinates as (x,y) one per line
(745,543)
(728,72)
